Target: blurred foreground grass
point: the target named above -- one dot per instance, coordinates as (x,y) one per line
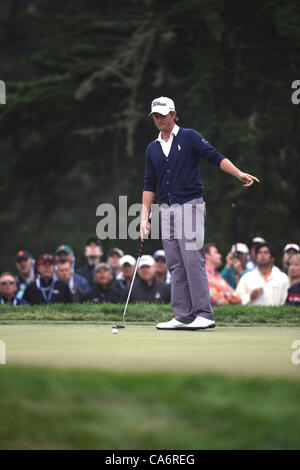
(76,409)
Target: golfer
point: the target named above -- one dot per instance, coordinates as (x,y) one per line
(172,165)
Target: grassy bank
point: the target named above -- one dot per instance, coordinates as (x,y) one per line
(75,409)
(143,313)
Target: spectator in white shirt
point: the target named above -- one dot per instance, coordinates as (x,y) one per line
(266,284)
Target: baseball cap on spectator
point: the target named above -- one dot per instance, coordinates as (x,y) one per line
(118,251)
(46,258)
(146,260)
(103,265)
(291,246)
(159,254)
(240,248)
(23,255)
(162,105)
(257,240)
(65,248)
(127,259)
(96,241)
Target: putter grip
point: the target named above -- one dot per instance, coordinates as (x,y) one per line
(141,250)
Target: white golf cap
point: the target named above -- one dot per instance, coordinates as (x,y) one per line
(291,246)
(159,254)
(240,247)
(258,240)
(146,260)
(162,105)
(127,259)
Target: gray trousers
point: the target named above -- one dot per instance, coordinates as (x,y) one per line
(183,238)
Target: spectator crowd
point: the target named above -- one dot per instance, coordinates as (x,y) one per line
(249,276)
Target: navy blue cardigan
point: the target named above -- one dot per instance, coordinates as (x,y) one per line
(178,176)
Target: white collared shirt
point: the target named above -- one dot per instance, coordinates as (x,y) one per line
(274,288)
(166,146)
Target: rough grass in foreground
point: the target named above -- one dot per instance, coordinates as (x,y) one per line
(145,313)
(50,409)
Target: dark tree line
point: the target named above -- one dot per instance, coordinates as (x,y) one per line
(80,77)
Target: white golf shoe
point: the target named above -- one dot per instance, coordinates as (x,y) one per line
(172,325)
(201,323)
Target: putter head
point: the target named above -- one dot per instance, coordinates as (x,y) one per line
(119,326)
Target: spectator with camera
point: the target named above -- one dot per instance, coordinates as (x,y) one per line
(236,264)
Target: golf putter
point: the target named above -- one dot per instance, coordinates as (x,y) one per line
(141,250)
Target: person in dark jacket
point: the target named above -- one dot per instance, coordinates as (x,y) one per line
(8,290)
(146,287)
(25,267)
(46,289)
(93,253)
(105,288)
(78,285)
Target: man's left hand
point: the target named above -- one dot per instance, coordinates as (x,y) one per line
(247,179)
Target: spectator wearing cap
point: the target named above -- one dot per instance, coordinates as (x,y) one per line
(8,290)
(288,251)
(46,289)
(251,263)
(93,254)
(161,269)
(25,268)
(221,293)
(64,253)
(124,278)
(113,259)
(236,264)
(266,284)
(105,288)
(293,297)
(78,285)
(146,287)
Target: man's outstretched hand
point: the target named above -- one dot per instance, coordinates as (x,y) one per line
(247,179)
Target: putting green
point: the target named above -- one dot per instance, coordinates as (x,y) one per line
(243,351)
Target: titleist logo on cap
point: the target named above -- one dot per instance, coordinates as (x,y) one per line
(158,103)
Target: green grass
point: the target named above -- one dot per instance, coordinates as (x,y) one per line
(75,409)
(70,384)
(143,313)
(264,351)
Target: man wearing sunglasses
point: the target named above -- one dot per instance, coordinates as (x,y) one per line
(25,268)
(8,289)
